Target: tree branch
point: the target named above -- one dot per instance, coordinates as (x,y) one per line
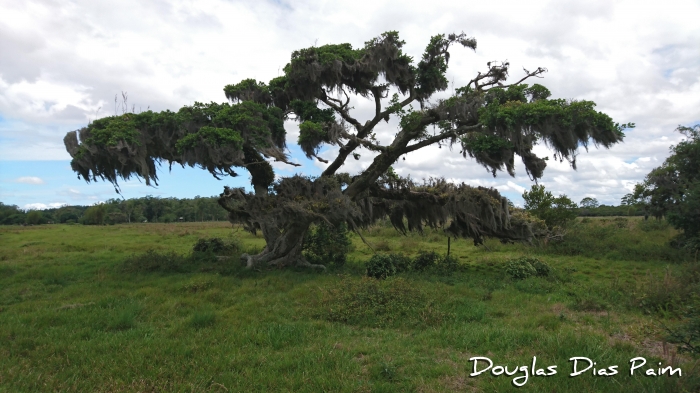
(437,138)
(363,131)
(377,93)
(340,159)
(277,159)
(342,111)
(321,159)
(369,126)
(340,102)
(529,74)
(503,71)
(364,142)
(341,105)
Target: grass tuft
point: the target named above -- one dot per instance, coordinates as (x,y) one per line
(370,302)
(202,319)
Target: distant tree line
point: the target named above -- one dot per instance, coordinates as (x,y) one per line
(596,210)
(118,211)
(156,209)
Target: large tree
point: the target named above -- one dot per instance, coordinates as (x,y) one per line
(486,119)
(673,189)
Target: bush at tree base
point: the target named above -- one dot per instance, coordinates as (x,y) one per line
(327,244)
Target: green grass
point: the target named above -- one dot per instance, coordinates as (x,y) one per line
(78,314)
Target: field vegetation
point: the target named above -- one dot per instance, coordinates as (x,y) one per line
(132,307)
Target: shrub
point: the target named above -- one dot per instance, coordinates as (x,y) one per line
(216,245)
(401,262)
(385,265)
(520,269)
(213,244)
(447,265)
(678,294)
(525,267)
(381,266)
(542,268)
(687,333)
(667,295)
(327,244)
(426,260)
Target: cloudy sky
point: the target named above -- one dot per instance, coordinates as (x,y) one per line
(63,62)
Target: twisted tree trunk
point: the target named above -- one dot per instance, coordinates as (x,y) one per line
(282,220)
(282,248)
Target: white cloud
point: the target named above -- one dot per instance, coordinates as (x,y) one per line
(520,189)
(64,62)
(30,180)
(42,206)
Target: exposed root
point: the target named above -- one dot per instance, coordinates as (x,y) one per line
(265,259)
(301,262)
(247,260)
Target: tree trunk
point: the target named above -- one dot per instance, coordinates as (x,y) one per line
(283,248)
(283,235)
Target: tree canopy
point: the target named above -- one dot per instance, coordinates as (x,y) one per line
(589,202)
(554,211)
(486,119)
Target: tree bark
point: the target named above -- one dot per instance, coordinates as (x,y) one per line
(283,248)
(283,236)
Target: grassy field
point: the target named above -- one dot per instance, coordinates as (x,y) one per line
(78,314)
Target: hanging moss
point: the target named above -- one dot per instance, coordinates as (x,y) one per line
(490,121)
